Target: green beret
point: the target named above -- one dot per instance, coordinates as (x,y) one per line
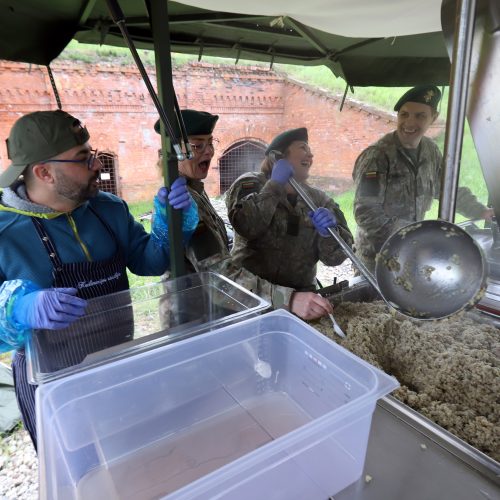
(196,122)
(283,140)
(423,94)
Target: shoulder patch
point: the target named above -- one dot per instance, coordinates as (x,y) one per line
(369,184)
(248,187)
(248,184)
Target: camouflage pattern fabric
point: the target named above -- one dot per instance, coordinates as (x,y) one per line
(209,240)
(395,186)
(208,250)
(274,236)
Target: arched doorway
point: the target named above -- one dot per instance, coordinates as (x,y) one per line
(242,156)
(109,182)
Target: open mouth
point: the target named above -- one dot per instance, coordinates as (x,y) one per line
(204,165)
(305,164)
(409,131)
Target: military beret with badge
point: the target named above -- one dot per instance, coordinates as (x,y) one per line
(423,94)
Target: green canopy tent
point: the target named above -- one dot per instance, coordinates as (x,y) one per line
(47,26)
(405,47)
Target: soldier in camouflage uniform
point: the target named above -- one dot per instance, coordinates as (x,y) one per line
(276,237)
(397,178)
(209,242)
(208,248)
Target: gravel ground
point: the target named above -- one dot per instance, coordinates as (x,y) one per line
(18,467)
(18,461)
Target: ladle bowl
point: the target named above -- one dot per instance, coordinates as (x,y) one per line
(431,269)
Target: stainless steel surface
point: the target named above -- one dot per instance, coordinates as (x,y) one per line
(488,239)
(484,82)
(490,303)
(411,458)
(431,269)
(462,46)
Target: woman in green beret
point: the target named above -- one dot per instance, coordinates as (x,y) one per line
(277,237)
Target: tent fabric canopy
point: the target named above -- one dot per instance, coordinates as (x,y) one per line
(391,52)
(349,18)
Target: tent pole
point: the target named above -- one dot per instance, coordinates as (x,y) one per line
(457,104)
(161,42)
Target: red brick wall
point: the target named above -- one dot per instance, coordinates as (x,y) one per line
(253,103)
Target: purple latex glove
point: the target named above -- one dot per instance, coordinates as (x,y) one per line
(322,218)
(178,195)
(282,171)
(52,309)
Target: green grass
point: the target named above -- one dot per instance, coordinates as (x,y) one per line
(89,53)
(137,209)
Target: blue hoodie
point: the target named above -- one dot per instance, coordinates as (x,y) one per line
(78,237)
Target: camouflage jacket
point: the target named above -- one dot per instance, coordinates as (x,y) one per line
(274,236)
(209,240)
(392,190)
(208,251)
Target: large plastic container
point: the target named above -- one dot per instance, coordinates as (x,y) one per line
(125,323)
(263,409)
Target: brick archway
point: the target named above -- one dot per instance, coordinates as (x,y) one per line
(244,155)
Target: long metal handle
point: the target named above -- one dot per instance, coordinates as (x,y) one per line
(345,247)
(119,19)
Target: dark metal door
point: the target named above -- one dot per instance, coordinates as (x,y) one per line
(241,157)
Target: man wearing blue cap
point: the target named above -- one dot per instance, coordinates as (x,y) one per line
(63,241)
(397,178)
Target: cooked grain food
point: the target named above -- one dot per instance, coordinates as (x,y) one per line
(449,370)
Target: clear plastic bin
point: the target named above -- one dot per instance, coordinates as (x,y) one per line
(265,408)
(125,323)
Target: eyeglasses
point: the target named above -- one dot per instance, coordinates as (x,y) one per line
(201,146)
(89,161)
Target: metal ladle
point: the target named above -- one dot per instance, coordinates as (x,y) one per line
(427,270)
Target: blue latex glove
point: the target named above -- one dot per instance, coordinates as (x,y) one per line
(52,309)
(322,218)
(282,171)
(178,195)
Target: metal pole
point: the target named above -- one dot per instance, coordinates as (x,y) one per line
(457,104)
(161,41)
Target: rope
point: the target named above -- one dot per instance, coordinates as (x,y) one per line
(54,88)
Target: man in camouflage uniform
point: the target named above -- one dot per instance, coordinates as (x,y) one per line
(397,178)
(208,248)
(276,237)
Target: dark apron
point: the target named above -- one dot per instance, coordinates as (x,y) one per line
(91,279)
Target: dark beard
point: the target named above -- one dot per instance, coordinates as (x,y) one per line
(70,190)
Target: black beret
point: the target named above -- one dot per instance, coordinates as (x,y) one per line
(283,140)
(196,122)
(423,94)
